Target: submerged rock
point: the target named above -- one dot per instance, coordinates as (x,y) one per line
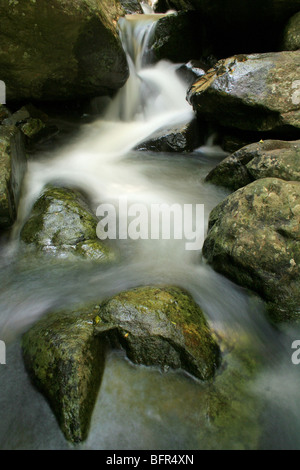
(253,239)
(12,169)
(291,39)
(258,92)
(61,50)
(65,362)
(160,326)
(61,224)
(272,158)
(184,138)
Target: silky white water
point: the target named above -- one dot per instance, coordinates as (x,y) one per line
(139,407)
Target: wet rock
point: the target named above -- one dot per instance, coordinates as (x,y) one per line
(33,123)
(61,51)
(291,37)
(191,71)
(258,92)
(65,361)
(165,43)
(272,158)
(4,113)
(160,326)
(62,225)
(253,239)
(131,6)
(184,138)
(12,169)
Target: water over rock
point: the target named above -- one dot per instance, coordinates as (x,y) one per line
(271,158)
(253,239)
(62,225)
(257,92)
(61,50)
(160,326)
(65,361)
(12,169)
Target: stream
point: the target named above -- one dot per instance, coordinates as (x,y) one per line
(254,399)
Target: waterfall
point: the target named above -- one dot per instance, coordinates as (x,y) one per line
(153,97)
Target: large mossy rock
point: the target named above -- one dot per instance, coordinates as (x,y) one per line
(12,169)
(258,92)
(65,362)
(62,225)
(254,239)
(272,158)
(62,49)
(291,37)
(160,326)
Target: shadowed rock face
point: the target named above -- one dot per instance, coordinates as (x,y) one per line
(60,49)
(291,37)
(228,27)
(272,158)
(162,327)
(62,225)
(259,92)
(253,239)
(65,362)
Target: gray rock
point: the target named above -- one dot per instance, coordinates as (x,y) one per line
(183,138)
(258,92)
(253,239)
(160,326)
(272,158)
(62,225)
(65,362)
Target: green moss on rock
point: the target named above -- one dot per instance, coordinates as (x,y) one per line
(61,224)
(253,239)
(65,362)
(160,326)
(271,158)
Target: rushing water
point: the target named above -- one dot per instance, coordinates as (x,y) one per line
(253,402)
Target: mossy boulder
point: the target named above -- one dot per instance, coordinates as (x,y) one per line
(271,158)
(61,224)
(65,362)
(60,50)
(291,37)
(257,92)
(253,239)
(12,169)
(160,326)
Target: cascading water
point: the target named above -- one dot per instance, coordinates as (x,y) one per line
(158,411)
